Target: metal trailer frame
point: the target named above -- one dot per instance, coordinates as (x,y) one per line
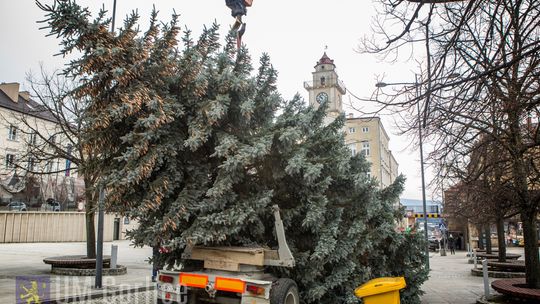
(231,275)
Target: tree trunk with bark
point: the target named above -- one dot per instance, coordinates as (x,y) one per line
(529,210)
(487,233)
(530,235)
(90,220)
(481,238)
(501,239)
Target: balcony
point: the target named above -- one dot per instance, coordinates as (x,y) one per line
(329,82)
(308,85)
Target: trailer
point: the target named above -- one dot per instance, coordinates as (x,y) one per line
(232,275)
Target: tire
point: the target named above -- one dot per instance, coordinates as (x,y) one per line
(23,209)
(284,291)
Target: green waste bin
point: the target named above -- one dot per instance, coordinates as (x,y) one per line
(381,290)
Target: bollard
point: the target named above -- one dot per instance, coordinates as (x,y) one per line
(114,256)
(99,245)
(486,278)
(475,261)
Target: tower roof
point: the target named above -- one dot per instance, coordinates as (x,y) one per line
(325,60)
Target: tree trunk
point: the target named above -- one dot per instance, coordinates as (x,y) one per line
(480,230)
(501,239)
(90,233)
(529,212)
(528,209)
(530,236)
(90,221)
(487,232)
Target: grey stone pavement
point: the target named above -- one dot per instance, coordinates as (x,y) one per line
(27,259)
(450,280)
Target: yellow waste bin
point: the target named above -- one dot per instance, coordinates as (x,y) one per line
(381,290)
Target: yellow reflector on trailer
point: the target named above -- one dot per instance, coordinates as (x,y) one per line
(232,285)
(193,280)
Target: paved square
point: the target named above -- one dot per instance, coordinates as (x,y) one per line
(450,280)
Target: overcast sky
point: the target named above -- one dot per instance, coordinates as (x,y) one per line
(293,33)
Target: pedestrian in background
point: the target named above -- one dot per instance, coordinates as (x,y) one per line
(452,244)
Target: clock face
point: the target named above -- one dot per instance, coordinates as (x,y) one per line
(322,97)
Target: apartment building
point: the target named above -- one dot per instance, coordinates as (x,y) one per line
(366,135)
(25,124)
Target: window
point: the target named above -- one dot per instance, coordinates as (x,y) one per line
(31,163)
(352,147)
(10,160)
(48,167)
(68,167)
(323,81)
(365,148)
(433,209)
(365,129)
(69,149)
(12,135)
(352,130)
(32,140)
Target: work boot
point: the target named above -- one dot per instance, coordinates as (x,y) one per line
(239,35)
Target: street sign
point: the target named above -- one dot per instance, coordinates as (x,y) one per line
(442,227)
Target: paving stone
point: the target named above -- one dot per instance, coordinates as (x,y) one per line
(450,279)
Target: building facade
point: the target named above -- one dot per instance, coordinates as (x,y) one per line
(414,212)
(365,135)
(25,128)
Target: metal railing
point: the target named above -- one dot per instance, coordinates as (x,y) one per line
(308,85)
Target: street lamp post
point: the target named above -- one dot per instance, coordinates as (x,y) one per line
(420,138)
(113,16)
(99,254)
(101,211)
(420,142)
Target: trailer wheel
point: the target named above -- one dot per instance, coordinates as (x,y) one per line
(284,291)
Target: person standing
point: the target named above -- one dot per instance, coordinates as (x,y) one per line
(452,244)
(238,9)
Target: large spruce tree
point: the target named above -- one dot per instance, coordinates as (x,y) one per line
(197,146)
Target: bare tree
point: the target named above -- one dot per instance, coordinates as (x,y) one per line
(485,193)
(59,140)
(493,46)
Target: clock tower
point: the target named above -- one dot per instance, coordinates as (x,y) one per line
(326,87)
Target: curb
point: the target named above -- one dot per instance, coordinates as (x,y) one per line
(98,295)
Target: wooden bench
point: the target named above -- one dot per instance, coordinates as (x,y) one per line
(514,266)
(516,288)
(484,250)
(494,256)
